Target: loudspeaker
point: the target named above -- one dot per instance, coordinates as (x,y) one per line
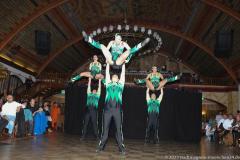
(42,42)
(224,44)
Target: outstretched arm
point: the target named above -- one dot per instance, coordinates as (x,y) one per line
(99,86)
(161,95)
(107,74)
(89,85)
(147,94)
(122,78)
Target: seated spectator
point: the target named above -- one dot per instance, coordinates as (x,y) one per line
(236,131)
(210,130)
(40,122)
(28,113)
(9,110)
(220,130)
(20,122)
(226,126)
(47,113)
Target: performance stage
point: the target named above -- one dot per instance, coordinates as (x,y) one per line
(69,147)
(179,117)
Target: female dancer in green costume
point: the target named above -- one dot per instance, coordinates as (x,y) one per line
(155,80)
(95,69)
(117,56)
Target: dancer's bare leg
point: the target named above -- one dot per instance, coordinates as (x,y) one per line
(107,54)
(122,58)
(150,85)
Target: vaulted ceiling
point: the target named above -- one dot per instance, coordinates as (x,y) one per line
(187,28)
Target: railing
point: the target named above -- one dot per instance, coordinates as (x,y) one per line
(47,83)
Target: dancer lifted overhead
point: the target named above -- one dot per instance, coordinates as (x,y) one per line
(153,104)
(112,109)
(155,80)
(92,108)
(117,56)
(95,69)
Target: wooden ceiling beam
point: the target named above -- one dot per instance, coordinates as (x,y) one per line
(62,19)
(227,10)
(40,10)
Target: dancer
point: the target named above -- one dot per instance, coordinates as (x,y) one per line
(113,100)
(155,80)
(116,57)
(153,112)
(95,69)
(92,108)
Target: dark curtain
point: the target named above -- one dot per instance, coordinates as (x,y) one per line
(179,118)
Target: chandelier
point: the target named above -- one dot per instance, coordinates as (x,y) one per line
(129,33)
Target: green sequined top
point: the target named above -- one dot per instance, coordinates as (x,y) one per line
(153,106)
(95,68)
(155,79)
(116,51)
(114,92)
(92,99)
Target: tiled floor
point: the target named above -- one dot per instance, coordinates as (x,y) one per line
(64,147)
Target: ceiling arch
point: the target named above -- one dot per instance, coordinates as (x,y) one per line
(151,25)
(225,9)
(42,9)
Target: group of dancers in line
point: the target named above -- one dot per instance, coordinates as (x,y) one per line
(117,54)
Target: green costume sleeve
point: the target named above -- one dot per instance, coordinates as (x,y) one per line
(136,48)
(91,41)
(140,81)
(172,79)
(73,79)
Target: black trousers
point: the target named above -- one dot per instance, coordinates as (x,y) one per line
(91,113)
(3,124)
(110,113)
(152,123)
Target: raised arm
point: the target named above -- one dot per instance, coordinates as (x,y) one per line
(161,95)
(107,74)
(89,85)
(147,94)
(122,77)
(109,45)
(99,86)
